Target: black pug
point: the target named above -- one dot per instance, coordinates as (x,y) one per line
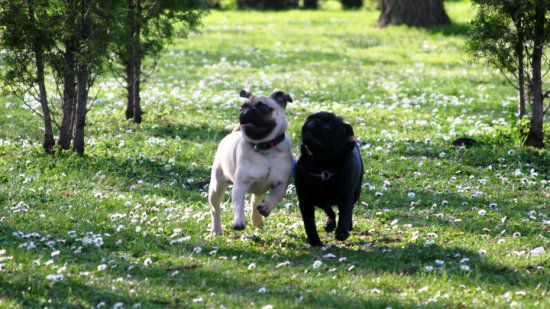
(329,172)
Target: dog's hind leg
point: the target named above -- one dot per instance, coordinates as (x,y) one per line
(216,191)
(257,218)
(330,225)
(345,213)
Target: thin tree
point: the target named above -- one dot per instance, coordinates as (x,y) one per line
(27,37)
(512,35)
(145,27)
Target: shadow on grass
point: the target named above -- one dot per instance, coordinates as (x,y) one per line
(453,29)
(194,279)
(198,133)
(199,277)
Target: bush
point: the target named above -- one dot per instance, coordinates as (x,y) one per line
(352,4)
(268,4)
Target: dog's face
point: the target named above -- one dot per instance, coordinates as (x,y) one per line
(325,136)
(263,118)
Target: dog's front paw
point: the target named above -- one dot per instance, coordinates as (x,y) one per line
(263,210)
(330,225)
(216,232)
(315,242)
(342,235)
(238,225)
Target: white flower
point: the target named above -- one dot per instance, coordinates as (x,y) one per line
(118,305)
(55,277)
(511,152)
(198,300)
(439,262)
(537,251)
(262,290)
(147,262)
(482,212)
(54,253)
(482,252)
(167,167)
(442,155)
(285,263)
(329,255)
(317,264)
(251,266)
(465,267)
(411,194)
(428,268)
(102,267)
(375,291)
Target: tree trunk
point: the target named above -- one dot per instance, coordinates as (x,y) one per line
(49,141)
(536,132)
(424,13)
(133,62)
(137,63)
(521,73)
(84,30)
(80,115)
(137,88)
(69,98)
(311,4)
(129,89)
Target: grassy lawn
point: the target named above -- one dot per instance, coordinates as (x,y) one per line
(436,225)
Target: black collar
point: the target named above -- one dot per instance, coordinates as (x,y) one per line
(269,144)
(325,175)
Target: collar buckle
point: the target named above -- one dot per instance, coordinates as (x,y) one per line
(325,175)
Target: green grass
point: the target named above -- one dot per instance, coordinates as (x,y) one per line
(140,190)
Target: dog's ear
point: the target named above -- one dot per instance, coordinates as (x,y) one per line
(245,94)
(281,98)
(352,140)
(349,131)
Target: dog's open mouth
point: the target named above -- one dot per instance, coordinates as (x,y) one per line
(246,125)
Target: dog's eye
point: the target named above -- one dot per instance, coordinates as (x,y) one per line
(263,108)
(245,105)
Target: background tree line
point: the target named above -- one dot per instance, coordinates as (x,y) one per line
(54,50)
